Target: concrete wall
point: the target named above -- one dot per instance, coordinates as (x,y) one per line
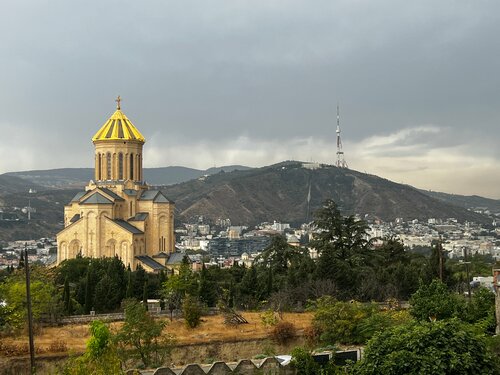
(268,366)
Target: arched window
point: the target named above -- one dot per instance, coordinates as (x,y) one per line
(99,166)
(108,166)
(120,166)
(131,166)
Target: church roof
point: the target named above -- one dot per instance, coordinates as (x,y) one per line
(78,195)
(96,198)
(155,196)
(75,218)
(111,194)
(150,262)
(175,258)
(140,216)
(118,127)
(128,226)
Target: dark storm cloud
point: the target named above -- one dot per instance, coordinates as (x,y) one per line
(255,81)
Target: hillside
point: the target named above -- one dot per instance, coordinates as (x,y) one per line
(79,177)
(467,201)
(279,192)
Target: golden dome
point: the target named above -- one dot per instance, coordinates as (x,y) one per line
(118,127)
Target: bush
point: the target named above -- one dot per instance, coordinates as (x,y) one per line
(441,347)
(312,335)
(337,322)
(269,318)
(192,311)
(283,332)
(435,302)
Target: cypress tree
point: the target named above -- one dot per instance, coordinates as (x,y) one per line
(66,296)
(88,293)
(21,261)
(145,295)
(130,290)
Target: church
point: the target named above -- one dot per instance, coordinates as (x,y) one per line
(118,214)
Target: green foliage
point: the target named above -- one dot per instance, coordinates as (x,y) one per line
(441,347)
(192,310)
(435,301)
(100,358)
(45,300)
(303,362)
(99,340)
(269,318)
(207,288)
(141,336)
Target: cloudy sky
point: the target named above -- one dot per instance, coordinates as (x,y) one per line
(257,82)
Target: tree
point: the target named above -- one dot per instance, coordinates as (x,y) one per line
(89,300)
(207,288)
(192,311)
(145,295)
(343,248)
(441,347)
(45,299)
(141,336)
(130,291)
(435,301)
(20,266)
(100,358)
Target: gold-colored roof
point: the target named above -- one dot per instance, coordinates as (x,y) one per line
(118,127)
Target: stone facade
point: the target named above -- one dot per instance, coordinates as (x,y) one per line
(118,214)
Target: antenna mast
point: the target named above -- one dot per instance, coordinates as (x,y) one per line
(340,163)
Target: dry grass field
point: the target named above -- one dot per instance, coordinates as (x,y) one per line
(212,329)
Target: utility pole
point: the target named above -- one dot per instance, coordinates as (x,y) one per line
(30,315)
(467,273)
(439,249)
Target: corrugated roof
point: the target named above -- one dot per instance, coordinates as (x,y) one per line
(96,198)
(128,226)
(150,262)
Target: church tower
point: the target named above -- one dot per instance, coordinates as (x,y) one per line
(118,214)
(118,150)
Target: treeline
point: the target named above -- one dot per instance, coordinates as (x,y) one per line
(283,277)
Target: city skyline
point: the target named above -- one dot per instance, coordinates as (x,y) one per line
(255,83)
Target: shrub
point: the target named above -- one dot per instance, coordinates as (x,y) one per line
(269,318)
(435,302)
(192,310)
(312,335)
(283,332)
(441,347)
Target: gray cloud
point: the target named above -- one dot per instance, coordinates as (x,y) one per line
(239,76)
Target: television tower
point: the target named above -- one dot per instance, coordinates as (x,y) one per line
(340,163)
